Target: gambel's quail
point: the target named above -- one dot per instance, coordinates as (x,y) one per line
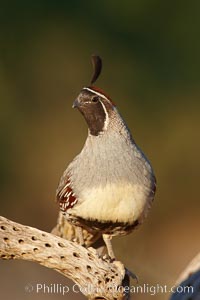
(108,187)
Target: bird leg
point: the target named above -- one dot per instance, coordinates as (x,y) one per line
(79,234)
(107,239)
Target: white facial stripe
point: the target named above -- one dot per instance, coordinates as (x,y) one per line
(98,94)
(107,117)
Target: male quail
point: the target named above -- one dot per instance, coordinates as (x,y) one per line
(108,187)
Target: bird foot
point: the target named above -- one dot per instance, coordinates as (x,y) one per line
(109,259)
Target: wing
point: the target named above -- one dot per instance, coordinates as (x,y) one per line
(65,195)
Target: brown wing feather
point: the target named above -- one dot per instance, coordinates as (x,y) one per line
(65,195)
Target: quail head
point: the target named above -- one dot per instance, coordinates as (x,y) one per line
(108,187)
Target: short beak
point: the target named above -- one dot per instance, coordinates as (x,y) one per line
(75,104)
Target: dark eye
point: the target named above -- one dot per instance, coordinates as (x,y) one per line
(95,99)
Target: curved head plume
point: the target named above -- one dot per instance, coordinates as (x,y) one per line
(97,66)
(94,104)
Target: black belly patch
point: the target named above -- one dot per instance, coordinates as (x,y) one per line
(112,228)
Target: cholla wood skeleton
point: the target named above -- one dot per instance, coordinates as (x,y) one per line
(81,265)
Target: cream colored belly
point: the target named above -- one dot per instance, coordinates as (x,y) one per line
(122,203)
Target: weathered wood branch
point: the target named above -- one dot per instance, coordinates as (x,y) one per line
(96,277)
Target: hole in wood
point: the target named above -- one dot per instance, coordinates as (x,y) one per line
(20,241)
(12,256)
(6,239)
(47,245)
(77,269)
(89,256)
(34,238)
(15,228)
(3,227)
(75,254)
(62,257)
(61,245)
(113,271)
(35,249)
(89,268)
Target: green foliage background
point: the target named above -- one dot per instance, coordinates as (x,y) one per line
(150,51)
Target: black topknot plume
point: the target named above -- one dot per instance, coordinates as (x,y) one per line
(97,66)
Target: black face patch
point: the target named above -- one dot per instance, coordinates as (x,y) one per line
(90,105)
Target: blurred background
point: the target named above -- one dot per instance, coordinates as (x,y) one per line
(150,52)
